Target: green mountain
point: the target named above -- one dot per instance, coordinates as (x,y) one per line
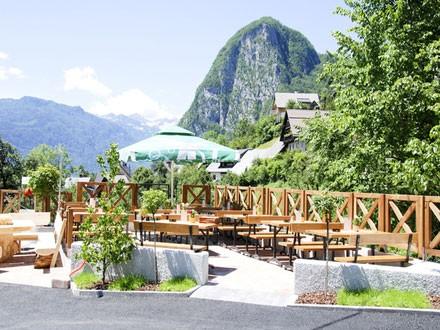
(260,59)
(30,121)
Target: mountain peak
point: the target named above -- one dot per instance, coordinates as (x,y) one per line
(254,63)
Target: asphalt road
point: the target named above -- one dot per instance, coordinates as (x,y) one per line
(23,307)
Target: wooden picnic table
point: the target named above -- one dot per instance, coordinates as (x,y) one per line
(296,227)
(333,234)
(178,227)
(7,249)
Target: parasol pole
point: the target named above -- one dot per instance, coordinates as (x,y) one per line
(172,183)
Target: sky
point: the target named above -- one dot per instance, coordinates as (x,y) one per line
(126,57)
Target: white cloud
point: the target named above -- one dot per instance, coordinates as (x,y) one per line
(3,56)
(10,72)
(84,79)
(133,101)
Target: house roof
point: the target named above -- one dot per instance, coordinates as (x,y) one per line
(297,118)
(281,99)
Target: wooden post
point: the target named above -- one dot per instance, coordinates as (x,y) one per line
(79,190)
(419,225)
(381,213)
(1,201)
(134,196)
(427,227)
(387,219)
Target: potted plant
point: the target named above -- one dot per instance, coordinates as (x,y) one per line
(152,200)
(193,216)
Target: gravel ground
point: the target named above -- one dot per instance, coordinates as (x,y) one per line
(26,307)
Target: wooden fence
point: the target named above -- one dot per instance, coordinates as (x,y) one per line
(11,201)
(419,215)
(87,190)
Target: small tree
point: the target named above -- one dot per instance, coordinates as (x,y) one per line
(44,183)
(10,166)
(152,200)
(106,242)
(325,205)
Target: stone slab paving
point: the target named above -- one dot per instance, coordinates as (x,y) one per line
(235,277)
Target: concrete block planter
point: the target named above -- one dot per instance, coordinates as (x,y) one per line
(107,293)
(310,275)
(171,263)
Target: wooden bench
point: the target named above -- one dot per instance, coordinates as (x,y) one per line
(49,244)
(314,246)
(166,245)
(379,239)
(23,236)
(263,235)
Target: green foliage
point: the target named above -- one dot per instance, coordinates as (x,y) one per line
(325,204)
(152,200)
(44,180)
(10,166)
(44,154)
(178,284)
(292,104)
(106,242)
(382,135)
(147,176)
(386,298)
(86,280)
(289,169)
(128,283)
(247,134)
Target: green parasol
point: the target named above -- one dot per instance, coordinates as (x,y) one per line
(177,145)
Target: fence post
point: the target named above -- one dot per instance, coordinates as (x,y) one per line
(306,206)
(419,225)
(381,213)
(79,187)
(427,228)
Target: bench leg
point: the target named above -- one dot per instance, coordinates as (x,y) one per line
(290,256)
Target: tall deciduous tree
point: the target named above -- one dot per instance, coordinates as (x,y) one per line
(44,154)
(386,78)
(10,166)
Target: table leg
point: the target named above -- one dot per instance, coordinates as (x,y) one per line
(234,233)
(141,230)
(274,247)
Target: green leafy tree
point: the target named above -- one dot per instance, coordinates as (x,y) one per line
(105,242)
(152,200)
(10,166)
(143,175)
(45,182)
(385,78)
(44,154)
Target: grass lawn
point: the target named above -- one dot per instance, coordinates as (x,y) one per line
(128,283)
(86,280)
(386,298)
(177,284)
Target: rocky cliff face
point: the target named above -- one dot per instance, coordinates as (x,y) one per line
(249,69)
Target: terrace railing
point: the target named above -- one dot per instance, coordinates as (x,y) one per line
(419,215)
(10,200)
